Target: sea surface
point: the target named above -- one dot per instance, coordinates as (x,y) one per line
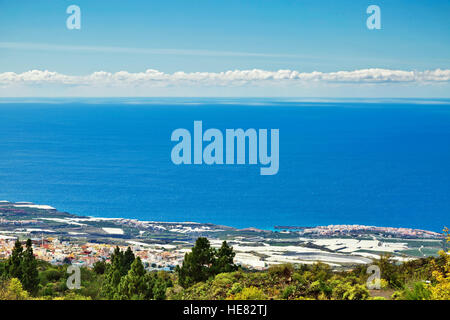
(383,163)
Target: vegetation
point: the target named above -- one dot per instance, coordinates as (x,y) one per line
(22,266)
(208,273)
(126,279)
(205,262)
(441,275)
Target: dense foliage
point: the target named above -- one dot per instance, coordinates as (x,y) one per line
(22,266)
(205,262)
(208,273)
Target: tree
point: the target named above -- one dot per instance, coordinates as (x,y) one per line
(3,270)
(15,261)
(100,267)
(159,289)
(204,262)
(224,259)
(116,258)
(197,264)
(30,275)
(114,272)
(135,284)
(128,259)
(67,260)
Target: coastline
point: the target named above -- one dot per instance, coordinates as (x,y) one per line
(320,229)
(58,235)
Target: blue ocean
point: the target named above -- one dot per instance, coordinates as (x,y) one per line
(383,163)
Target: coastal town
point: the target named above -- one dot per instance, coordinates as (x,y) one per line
(59,252)
(60,237)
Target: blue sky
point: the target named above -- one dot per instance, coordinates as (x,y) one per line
(217,36)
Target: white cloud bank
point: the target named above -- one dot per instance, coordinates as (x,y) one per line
(256,82)
(237,77)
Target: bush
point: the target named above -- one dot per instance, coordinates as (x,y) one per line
(250,293)
(281,270)
(12,290)
(51,275)
(236,288)
(357,292)
(224,279)
(72,296)
(287,292)
(419,291)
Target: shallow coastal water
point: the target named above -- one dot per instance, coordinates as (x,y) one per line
(384,164)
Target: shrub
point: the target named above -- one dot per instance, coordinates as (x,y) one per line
(287,292)
(51,275)
(236,288)
(250,293)
(12,290)
(419,291)
(357,292)
(281,270)
(72,296)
